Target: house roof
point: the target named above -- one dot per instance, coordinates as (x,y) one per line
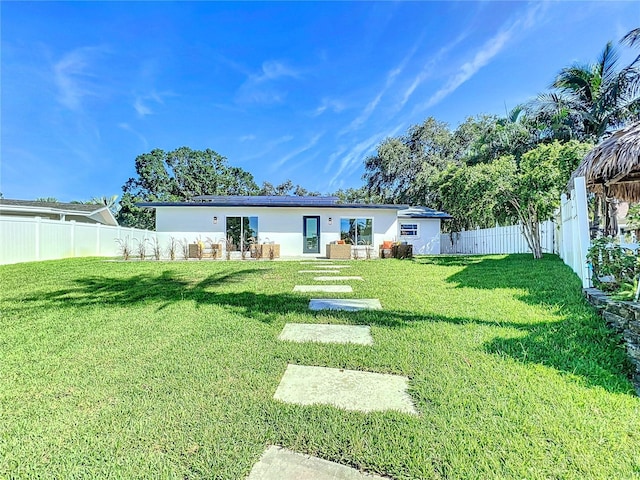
(423,212)
(97,213)
(268,201)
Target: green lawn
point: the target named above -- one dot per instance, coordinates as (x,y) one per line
(168,369)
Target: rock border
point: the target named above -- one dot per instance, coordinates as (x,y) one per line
(623,318)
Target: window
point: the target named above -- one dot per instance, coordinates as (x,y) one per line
(408,229)
(242,232)
(357,231)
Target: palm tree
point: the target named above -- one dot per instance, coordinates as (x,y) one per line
(590,101)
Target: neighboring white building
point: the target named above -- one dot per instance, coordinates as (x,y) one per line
(300,225)
(66,212)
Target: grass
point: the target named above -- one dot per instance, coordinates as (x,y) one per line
(168,369)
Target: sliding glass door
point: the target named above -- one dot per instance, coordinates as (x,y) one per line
(311,234)
(241,232)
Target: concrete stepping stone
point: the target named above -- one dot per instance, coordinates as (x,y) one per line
(318,271)
(278,463)
(348,304)
(323,333)
(323,288)
(329,279)
(335,266)
(317,262)
(346,389)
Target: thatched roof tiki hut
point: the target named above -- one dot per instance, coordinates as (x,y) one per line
(612,171)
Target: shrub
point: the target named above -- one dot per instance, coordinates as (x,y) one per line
(141,248)
(615,269)
(172,248)
(157,251)
(124,247)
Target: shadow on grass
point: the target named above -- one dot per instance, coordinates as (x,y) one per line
(168,288)
(579,343)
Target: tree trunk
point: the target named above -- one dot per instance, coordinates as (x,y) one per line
(531,232)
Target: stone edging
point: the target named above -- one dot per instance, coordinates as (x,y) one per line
(624,318)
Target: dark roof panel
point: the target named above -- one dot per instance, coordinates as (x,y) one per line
(234,200)
(423,212)
(77,207)
(268,201)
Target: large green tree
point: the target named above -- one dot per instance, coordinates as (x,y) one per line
(508,190)
(179,175)
(403,168)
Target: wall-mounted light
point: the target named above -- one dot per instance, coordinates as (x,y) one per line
(330,221)
(215,220)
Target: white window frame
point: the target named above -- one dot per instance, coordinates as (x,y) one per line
(416,230)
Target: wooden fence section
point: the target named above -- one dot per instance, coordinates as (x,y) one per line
(497,240)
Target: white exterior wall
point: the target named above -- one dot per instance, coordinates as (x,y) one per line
(282,225)
(427,242)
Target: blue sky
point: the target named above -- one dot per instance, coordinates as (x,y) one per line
(301,91)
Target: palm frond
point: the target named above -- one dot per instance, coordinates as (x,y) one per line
(631,38)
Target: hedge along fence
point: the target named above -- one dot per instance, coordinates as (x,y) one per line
(32,239)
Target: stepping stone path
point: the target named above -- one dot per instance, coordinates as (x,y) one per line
(313,332)
(346,389)
(318,271)
(323,288)
(335,266)
(329,279)
(278,463)
(347,304)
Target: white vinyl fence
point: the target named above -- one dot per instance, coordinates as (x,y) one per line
(497,240)
(573,237)
(31,239)
(28,239)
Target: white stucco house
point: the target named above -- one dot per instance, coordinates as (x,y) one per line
(301,226)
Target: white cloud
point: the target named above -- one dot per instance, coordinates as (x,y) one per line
(426,71)
(272,70)
(297,151)
(141,103)
(128,128)
(392,75)
(333,157)
(247,138)
(328,104)
(259,87)
(141,108)
(268,147)
(483,56)
(354,158)
(73,76)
